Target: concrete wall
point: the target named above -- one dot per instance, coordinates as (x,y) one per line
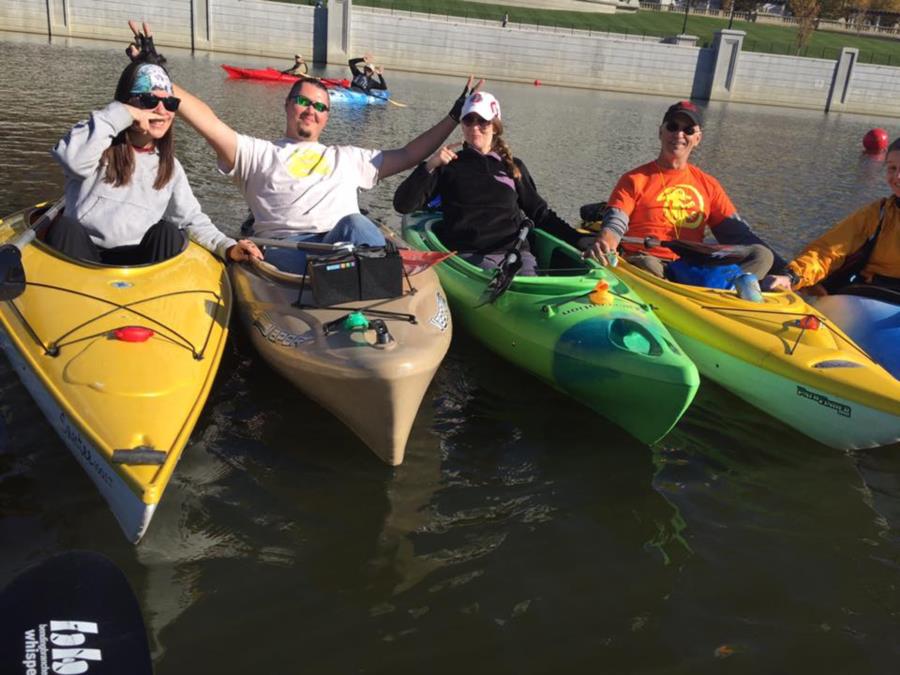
(523,54)
(24,16)
(459,46)
(782,80)
(235,26)
(875,90)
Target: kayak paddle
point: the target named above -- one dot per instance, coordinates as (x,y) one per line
(73,613)
(312,246)
(716,254)
(510,266)
(12,273)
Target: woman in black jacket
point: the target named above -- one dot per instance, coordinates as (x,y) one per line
(486,193)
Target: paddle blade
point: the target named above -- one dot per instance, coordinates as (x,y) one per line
(74,613)
(12,274)
(419,261)
(504,276)
(593,212)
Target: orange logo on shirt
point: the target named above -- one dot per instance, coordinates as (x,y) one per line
(683,206)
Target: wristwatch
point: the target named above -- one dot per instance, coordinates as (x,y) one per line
(792,275)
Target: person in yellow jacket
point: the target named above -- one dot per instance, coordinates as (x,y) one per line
(828,253)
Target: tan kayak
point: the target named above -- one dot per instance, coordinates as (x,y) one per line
(370,372)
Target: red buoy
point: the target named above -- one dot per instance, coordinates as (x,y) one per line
(537,83)
(875,140)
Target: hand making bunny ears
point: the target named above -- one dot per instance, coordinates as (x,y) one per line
(143,48)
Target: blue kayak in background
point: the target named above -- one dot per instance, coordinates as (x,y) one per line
(871,317)
(357,97)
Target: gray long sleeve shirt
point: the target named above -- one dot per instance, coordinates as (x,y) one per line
(120,216)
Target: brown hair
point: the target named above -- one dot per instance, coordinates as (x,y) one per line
(118,158)
(500,146)
(298,85)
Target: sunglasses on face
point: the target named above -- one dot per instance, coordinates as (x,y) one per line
(149,101)
(674,127)
(472,119)
(304,102)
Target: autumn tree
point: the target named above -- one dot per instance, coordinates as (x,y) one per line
(807,15)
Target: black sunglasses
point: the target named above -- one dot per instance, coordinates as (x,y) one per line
(304,102)
(472,119)
(674,127)
(149,101)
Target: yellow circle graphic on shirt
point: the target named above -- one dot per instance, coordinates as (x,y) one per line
(305,163)
(683,206)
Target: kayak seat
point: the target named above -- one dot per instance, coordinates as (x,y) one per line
(558,261)
(69,239)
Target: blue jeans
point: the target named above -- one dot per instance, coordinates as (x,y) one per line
(355,228)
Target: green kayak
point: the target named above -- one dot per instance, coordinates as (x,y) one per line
(604,348)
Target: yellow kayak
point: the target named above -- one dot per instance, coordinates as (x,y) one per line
(782,356)
(120,359)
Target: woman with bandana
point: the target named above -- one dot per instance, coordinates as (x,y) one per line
(127,198)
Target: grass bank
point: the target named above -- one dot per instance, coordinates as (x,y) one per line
(767,38)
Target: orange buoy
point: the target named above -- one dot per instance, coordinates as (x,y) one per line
(875,140)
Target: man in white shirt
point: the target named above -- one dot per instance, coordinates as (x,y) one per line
(298,188)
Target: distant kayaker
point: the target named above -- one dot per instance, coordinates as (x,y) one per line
(299,68)
(367,77)
(830,253)
(300,189)
(127,198)
(485,192)
(669,198)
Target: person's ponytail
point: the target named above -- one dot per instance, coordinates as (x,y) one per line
(502,148)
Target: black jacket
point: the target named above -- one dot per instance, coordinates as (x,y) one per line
(362,81)
(483,207)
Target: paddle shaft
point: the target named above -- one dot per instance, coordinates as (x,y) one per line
(47,217)
(311,246)
(681,247)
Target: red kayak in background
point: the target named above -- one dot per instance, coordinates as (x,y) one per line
(273,75)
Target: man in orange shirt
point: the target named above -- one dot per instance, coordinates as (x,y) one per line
(669,198)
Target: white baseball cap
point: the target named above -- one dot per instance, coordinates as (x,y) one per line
(482,104)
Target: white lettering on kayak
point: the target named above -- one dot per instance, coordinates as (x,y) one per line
(441,318)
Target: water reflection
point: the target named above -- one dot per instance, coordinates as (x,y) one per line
(523,533)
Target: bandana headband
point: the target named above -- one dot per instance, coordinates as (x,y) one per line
(149,77)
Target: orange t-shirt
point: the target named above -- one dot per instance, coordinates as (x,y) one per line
(669,204)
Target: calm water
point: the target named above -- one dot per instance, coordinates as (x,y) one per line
(523,534)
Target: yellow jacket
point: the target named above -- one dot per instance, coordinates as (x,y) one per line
(827,253)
